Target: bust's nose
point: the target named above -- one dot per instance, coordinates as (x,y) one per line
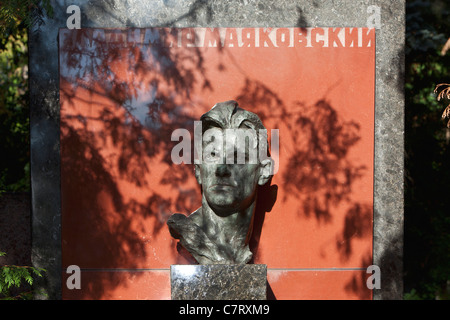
(222,170)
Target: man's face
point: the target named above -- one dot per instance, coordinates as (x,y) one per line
(227,187)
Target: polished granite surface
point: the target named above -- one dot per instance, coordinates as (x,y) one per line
(218,282)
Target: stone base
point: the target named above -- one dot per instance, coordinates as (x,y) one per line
(218,282)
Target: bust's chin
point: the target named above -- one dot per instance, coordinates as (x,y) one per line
(223,209)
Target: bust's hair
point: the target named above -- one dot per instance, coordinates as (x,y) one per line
(228,115)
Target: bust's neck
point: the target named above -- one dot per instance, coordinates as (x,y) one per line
(233,229)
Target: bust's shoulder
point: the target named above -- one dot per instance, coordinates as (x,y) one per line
(196,216)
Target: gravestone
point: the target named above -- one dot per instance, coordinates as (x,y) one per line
(58,219)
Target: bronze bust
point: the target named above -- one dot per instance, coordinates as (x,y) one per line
(219,231)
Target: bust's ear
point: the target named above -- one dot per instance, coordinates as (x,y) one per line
(197,174)
(265,171)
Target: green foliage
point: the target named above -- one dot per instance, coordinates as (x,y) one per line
(14,113)
(15,276)
(427,146)
(16,16)
(29,12)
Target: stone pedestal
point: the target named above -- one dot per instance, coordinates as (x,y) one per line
(218,282)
